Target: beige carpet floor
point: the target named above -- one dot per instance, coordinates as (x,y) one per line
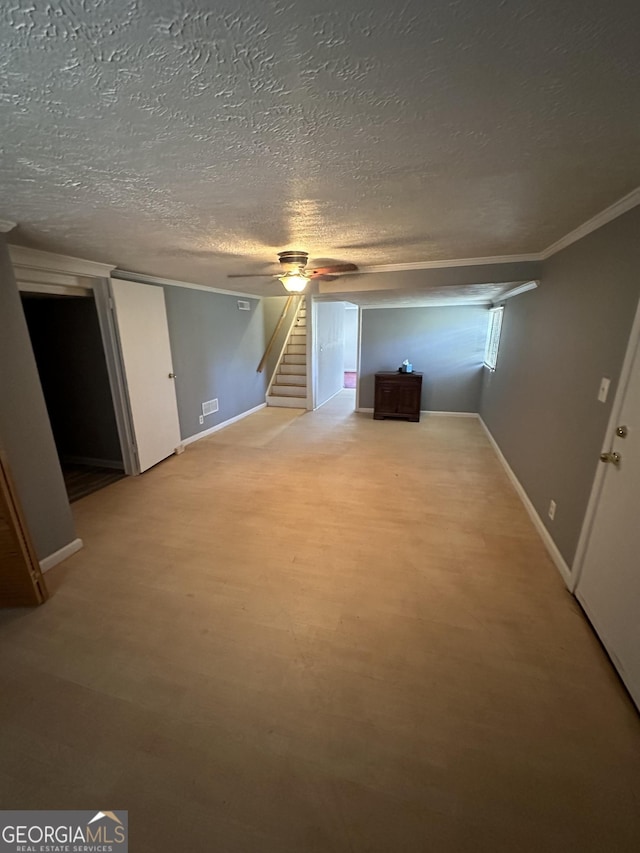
(320,633)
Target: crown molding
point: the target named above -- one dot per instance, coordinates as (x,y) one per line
(453,262)
(623,205)
(142,278)
(35,259)
(516,291)
(610,213)
(436,303)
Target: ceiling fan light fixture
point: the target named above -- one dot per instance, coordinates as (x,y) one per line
(294,282)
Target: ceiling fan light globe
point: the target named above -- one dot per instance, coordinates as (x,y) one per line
(294,282)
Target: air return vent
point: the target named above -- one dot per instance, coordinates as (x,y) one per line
(210,407)
(244,305)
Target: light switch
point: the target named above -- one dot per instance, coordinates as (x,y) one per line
(604,389)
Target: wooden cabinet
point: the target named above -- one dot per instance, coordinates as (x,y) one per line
(397,395)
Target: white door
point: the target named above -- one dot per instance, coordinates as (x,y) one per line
(609,584)
(141,318)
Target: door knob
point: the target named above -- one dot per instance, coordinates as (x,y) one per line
(614,458)
(172,376)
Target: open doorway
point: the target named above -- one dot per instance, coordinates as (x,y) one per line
(69,353)
(350,345)
(335,351)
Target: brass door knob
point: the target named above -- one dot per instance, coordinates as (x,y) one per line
(613,458)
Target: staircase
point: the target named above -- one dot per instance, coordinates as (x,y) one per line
(289,385)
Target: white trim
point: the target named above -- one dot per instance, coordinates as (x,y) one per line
(6,226)
(365,409)
(614,420)
(142,278)
(452,262)
(492,344)
(549,544)
(358,358)
(450,414)
(54,289)
(115,368)
(623,205)
(478,302)
(516,291)
(211,430)
(311,355)
(60,555)
(335,394)
(51,262)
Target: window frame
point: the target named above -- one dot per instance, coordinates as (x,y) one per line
(494,331)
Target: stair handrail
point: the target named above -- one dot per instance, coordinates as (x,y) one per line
(263,360)
(287,340)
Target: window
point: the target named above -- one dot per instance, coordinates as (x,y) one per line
(493,337)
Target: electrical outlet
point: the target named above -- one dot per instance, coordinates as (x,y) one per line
(604,389)
(201,419)
(552,510)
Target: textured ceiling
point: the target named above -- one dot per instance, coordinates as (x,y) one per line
(192,139)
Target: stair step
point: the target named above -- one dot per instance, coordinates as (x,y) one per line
(299,331)
(288,391)
(287,402)
(296,349)
(295,369)
(291,378)
(295,359)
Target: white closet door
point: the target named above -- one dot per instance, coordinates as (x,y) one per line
(609,583)
(141,318)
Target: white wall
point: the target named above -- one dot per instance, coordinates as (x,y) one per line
(350,337)
(329,349)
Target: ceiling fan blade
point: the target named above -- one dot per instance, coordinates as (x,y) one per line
(334,269)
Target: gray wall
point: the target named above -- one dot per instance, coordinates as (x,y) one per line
(329,348)
(557,343)
(25,432)
(350,338)
(445,344)
(216,349)
(66,339)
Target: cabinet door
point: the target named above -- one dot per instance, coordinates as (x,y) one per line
(408,399)
(386,401)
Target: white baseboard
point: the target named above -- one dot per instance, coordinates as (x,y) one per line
(549,544)
(335,394)
(220,426)
(450,414)
(97,463)
(364,409)
(60,555)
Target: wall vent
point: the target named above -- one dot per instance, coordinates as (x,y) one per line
(244,305)
(210,407)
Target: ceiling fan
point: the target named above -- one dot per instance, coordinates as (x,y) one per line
(295,276)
